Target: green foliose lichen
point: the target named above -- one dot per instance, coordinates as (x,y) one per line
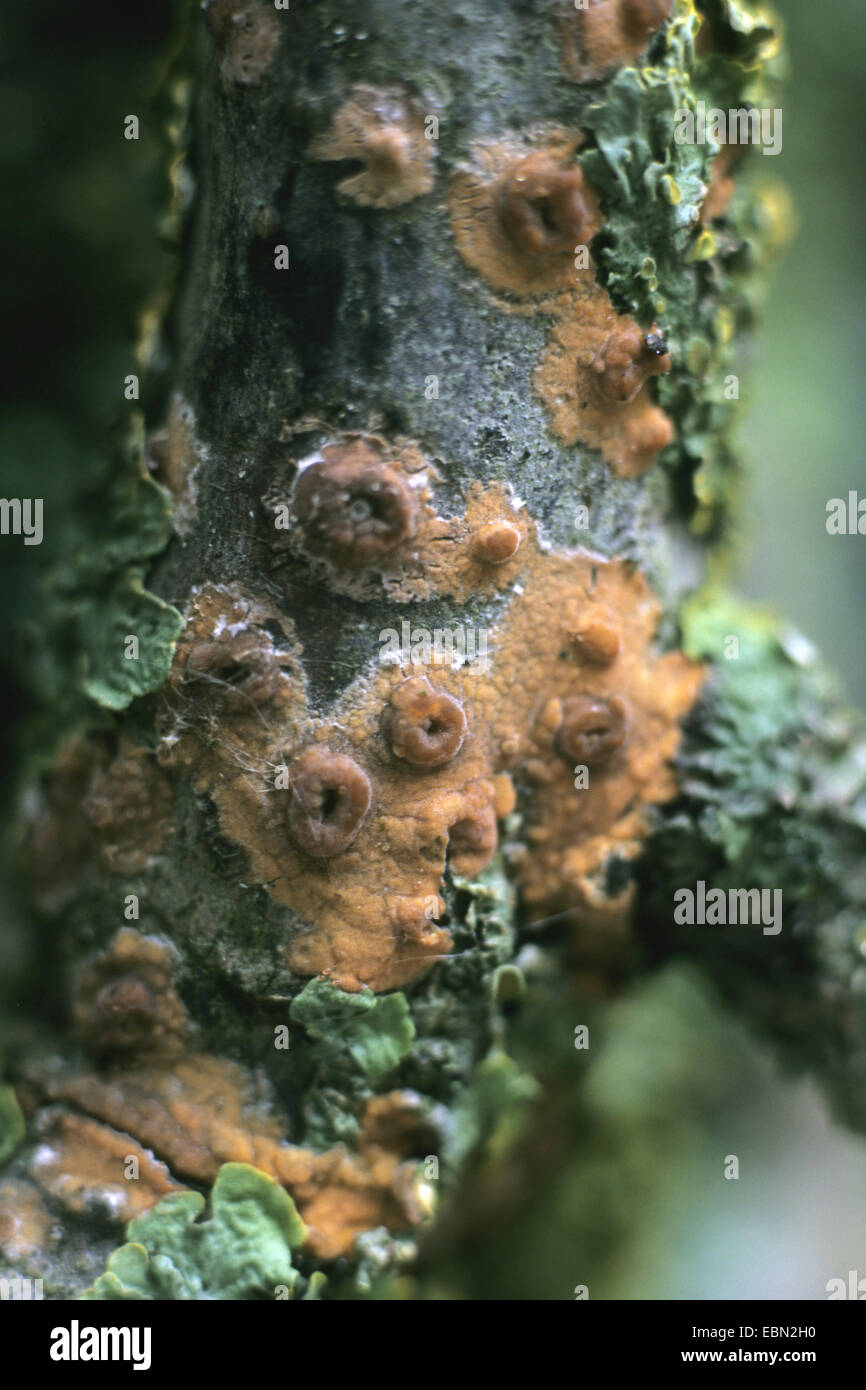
(244,1251)
(662,259)
(772,796)
(100,639)
(376,1031)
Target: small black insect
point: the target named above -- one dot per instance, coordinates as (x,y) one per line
(655,343)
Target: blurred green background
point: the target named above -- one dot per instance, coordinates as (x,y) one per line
(804,432)
(678,1086)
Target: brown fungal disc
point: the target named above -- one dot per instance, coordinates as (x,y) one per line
(329,797)
(427,725)
(596,642)
(240,666)
(496,542)
(627,358)
(591,729)
(353,506)
(545,208)
(641,17)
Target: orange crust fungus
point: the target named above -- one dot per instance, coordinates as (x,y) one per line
(86,1165)
(606,35)
(385,131)
(518,220)
(125,1001)
(592,379)
(127,805)
(421,757)
(199,1112)
(106,798)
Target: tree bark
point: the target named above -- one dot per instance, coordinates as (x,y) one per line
(454,347)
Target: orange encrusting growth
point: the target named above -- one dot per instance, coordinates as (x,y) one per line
(386,132)
(86,1165)
(25,1223)
(607,35)
(570,651)
(593,373)
(199,1112)
(107,800)
(125,1001)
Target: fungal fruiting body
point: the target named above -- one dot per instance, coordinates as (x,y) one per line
(524,222)
(626,359)
(590,729)
(239,666)
(352,506)
(384,130)
(593,378)
(108,800)
(547,205)
(603,35)
(497,542)
(329,797)
(427,725)
(365,520)
(125,1001)
(596,640)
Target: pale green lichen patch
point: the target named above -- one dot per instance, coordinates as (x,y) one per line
(772,776)
(244,1251)
(104,638)
(687,228)
(375,1030)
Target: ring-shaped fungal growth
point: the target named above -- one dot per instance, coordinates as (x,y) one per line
(329,798)
(352,506)
(545,209)
(240,666)
(591,729)
(427,725)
